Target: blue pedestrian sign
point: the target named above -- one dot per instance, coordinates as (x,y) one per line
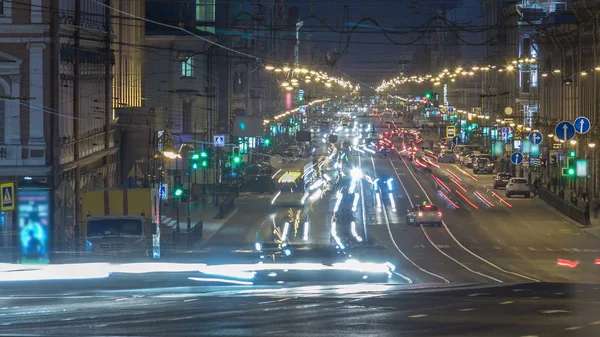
(219,140)
(456,140)
(564,131)
(162,193)
(516,158)
(582,125)
(535,137)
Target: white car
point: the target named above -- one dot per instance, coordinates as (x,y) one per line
(426,214)
(517,186)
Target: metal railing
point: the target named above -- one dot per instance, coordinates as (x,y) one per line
(568,209)
(225,207)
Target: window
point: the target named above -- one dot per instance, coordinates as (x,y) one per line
(205,10)
(2,8)
(187,67)
(205,15)
(239,82)
(186,116)
(560,6)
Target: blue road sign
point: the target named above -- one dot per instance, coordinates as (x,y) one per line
(582,125)
(516,158)
(456,140)
(219,140)
(564,130)
(162,194)
(535,137)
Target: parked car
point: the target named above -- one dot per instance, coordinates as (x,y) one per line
(517,186)
(501,179)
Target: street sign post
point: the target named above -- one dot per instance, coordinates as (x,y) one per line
(450,131)
(219,140)
(516,158)
(162,193)
(565,130)
(535,137)
(456,140)
(8,196)
(582,125)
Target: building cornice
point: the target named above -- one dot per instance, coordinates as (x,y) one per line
(24,28)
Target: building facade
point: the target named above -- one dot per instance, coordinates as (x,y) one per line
(57,113)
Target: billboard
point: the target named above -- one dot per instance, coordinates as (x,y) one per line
(33,205)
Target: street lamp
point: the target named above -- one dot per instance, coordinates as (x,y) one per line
(573,142)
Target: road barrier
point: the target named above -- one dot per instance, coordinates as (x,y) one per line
(568,209)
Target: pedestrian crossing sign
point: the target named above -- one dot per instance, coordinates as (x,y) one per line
(8,196)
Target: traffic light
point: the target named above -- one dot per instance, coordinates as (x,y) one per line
(572,154)
(428,94)
(178,191)
(266,142)
(204,159)
(569,171)
(194,161)
(235,155)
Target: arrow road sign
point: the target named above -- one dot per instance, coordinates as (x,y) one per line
(456,140)
(582,125)
(516,158)
(535,137)
(564,130)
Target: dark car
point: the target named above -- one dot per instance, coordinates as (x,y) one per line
(501,179)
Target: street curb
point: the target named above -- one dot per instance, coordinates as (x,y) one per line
(235,210)
(597,236)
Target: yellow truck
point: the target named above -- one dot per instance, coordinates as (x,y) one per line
(121,222)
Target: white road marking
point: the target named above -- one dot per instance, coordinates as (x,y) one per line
(478,294)
(466,309)
(554,311)
(387,222)
(418,316)
(506,302)
(594,323)
(459,243)
(571,328)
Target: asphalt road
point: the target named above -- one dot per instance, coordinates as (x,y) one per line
(536,309)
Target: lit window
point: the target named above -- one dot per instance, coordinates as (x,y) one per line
(187,67)
(205,10)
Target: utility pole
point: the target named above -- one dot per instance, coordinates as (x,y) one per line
(76,94)
(297,48)
(107,86)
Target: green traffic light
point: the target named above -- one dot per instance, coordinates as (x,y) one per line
(572,154)
(194,166)
(203,154)
(237,160)
(204,163)
(571,171)
(178,192)
(267,141)
(195,156)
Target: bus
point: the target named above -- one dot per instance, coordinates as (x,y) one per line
(292,182)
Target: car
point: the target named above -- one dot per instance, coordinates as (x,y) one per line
(483,163)
(468,159)
(446,156)
(501,179)
(517,186)
(425,214)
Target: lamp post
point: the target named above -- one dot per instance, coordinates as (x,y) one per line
(592,147)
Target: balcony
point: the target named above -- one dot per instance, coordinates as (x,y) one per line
(89,147)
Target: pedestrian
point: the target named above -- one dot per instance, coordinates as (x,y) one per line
(536,186)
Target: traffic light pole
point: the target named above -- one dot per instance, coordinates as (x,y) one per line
(177,200)
(189,210)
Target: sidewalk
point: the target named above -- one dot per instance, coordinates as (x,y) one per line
(206,213)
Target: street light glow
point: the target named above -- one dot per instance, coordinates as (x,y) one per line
(592,145)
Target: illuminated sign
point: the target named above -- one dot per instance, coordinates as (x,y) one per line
(289,177)
(33,205)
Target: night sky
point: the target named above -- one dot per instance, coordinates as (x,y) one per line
(370,56)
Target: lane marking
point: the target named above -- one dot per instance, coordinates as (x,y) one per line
(387,222)
(434,245)
(362,200)
(466,309)
(460,244)
(418,316)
